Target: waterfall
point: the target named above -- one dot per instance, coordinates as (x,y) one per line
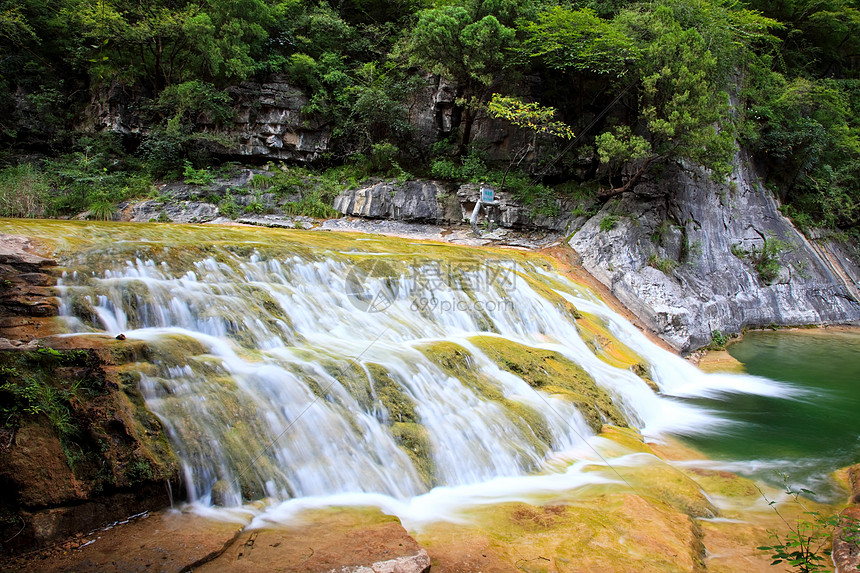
(286,369)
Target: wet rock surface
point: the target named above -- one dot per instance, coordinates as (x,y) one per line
(354,541)
(163,541)
(349,540)
(846,541)
(77,445)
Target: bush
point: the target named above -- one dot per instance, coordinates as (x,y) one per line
(765,260)
(23,192)
(255,208)
(227,207)
(718,340)
(806,546)
(445,169)
(193,176)
(102,210)
(311,205)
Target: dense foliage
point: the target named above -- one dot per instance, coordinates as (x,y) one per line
(638,83)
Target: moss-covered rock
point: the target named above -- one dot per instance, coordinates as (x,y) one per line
(609,533)
(78,436)
(553,373)
(720,361)
(400,407)
(404,422)
(458,363)
(414,439)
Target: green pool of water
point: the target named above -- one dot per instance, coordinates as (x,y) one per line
(808,436)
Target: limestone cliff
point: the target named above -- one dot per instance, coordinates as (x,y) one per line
(690,257)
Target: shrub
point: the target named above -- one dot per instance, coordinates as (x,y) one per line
(806,546)
(193,176)
(718,340)
(23,191)
(765,260)
(102,210)
(261,182)
(255,208)
(445,169)
(311,205)
(227,207)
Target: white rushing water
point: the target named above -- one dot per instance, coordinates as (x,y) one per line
(306,378)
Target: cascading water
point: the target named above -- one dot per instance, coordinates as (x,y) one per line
(286,369)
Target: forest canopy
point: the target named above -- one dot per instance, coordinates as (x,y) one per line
(626,85)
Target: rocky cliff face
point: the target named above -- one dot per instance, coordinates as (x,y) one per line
(27,305)
(267,120)
(690,257)
(443,204)
(268,123)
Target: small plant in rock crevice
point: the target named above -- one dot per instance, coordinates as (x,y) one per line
(764,259)
(608,223)
(806,547)
(718,340)
(664,265)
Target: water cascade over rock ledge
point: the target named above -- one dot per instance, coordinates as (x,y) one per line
(686,255)
(295,371)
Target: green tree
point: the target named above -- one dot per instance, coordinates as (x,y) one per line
(820,38)
(531,116)
(807,136)
(166,43)
(469,44)
(565,39)
(684,110)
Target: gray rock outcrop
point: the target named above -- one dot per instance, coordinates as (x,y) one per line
(267,121)
(435,202)
(414,201)
(681,253)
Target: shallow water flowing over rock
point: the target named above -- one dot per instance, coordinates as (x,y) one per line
(295,364)
(314,384)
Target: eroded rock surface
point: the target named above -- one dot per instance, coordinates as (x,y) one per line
(78,448)
(346,540)
(27,302)
(673,253)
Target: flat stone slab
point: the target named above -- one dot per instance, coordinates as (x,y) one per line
(167,541)
(333,540)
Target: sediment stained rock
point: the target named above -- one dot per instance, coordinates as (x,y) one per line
(27,301)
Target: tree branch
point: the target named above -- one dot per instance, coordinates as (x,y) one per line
(604,194)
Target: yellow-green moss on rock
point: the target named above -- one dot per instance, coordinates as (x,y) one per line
(458,363)
(615,533)
(553,373)
(403,422)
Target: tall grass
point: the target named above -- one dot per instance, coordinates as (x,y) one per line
(24,192)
